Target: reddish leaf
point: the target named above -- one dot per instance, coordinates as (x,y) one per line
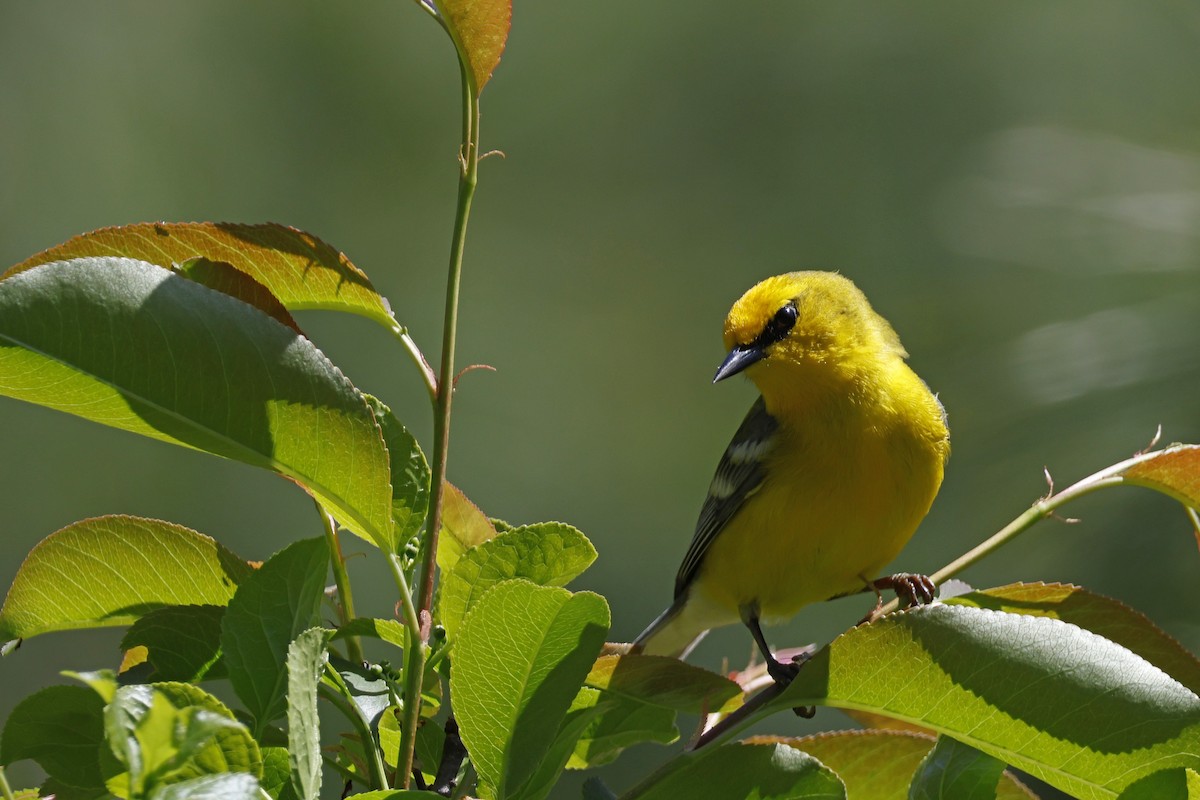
(1175,472)
(480,29)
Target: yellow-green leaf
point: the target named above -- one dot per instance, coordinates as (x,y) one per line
(111,570)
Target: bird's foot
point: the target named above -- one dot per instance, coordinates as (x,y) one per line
(912,588)
(782,673)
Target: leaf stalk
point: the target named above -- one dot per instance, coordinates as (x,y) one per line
(341,578)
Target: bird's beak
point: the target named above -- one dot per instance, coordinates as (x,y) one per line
(738,359)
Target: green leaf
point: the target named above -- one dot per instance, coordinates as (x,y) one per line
(521,657)
(306,660)
(463,527)
(277,776)
(173,360)
(232,749)
(430,740)
(1063,704)
(155,740)
(103,682)
(431,744)
(1110,618)
(621,723)
(737,771)
(548,554)
(585,708)
(387,630)
(1167,784)
(230,786)
(953,769)
(479,29)
(879,764)
(62,729)
(183,642)
(271,608)
(132,566)
(388,731)
(296,267)
(666,682)
(409,474)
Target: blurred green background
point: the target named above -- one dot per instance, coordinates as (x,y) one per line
(1015,186)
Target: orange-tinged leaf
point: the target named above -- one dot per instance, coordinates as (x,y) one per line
(878,764)
(480,30)
(132,658)
(296,267)
(227,279)
(1174,472)
(879,722)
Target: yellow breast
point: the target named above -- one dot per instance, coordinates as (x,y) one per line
(847,484)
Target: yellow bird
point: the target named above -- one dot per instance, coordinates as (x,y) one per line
(826,479)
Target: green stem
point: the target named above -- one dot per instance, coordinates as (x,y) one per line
(342,579)
(414,674)
(5,789)
(466,191)
(415,663)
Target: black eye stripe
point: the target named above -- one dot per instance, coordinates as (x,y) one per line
(778,326)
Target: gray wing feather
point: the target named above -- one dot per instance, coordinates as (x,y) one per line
(739,474)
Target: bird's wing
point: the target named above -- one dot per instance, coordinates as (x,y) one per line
(740,474)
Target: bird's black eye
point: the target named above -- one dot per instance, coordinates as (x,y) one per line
(780,324)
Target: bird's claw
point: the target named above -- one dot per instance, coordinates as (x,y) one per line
(784,673)
(911,588)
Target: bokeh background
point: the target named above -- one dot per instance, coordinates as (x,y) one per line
(1016,186)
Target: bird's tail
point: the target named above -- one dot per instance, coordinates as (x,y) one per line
(673,633)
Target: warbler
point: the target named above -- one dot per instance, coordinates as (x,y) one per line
(827,477)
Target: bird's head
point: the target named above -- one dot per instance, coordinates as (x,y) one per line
(814,327)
